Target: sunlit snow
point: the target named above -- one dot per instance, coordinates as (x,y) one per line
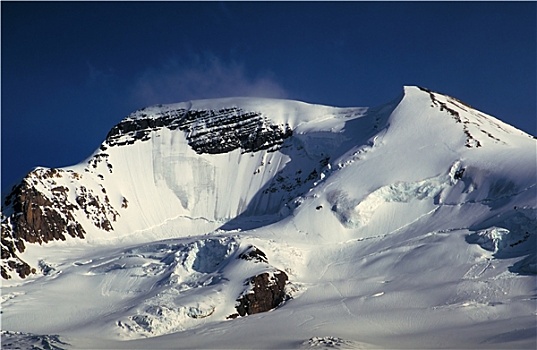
(409,225)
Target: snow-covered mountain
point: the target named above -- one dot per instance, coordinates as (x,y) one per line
(262,223)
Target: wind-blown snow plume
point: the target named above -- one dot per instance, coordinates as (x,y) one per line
(202,77)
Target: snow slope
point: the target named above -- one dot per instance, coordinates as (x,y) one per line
(408,225)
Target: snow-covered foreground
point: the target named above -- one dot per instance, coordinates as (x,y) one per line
(411,225)
(411,290)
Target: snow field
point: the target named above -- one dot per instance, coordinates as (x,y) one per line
(404,237)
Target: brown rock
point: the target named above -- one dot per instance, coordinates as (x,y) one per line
(41,216)
(266,294)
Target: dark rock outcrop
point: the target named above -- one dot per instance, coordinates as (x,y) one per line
(10,260)
(39,218)
(39,210)
(254,254)
(208,131)
(267,292)
(263,291)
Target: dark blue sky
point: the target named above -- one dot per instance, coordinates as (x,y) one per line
(71,71)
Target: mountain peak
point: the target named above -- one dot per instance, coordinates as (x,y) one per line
(281,149)
(192,215)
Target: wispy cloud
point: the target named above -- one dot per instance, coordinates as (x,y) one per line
(202,77)
(97,77)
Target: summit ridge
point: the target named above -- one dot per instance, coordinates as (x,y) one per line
(196,216)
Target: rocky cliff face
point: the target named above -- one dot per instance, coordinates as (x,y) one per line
(208,131)
(47,206)
(267,291)
(263,291)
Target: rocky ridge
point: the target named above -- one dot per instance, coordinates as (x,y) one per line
(40,216)
(208,131)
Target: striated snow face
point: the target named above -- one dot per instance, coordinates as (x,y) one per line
(261,223)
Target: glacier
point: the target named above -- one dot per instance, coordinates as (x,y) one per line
(407,225)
